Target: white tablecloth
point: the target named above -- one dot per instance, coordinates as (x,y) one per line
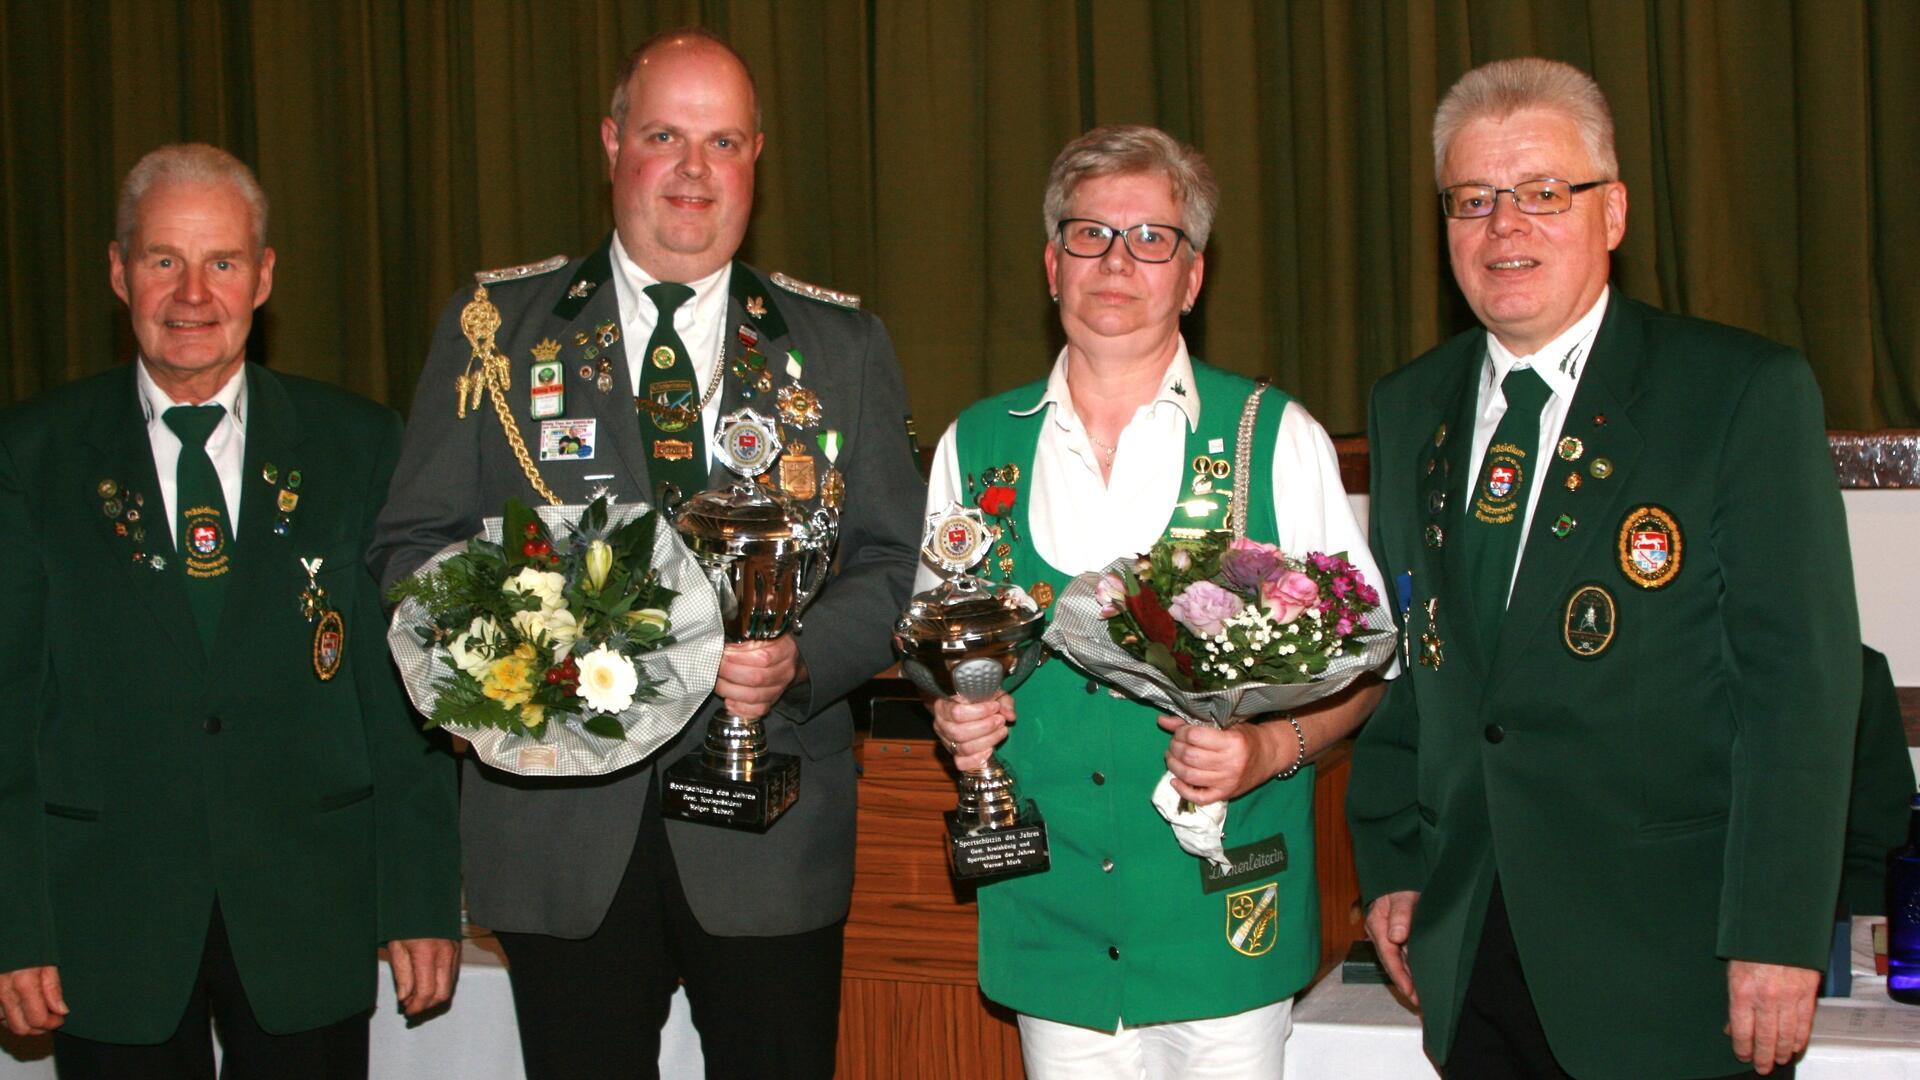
(1363,1032)
(474,1038)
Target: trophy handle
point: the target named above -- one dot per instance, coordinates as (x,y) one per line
(816,556)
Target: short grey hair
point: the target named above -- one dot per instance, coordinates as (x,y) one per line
(617,107)
(1135,148)
(1497,90)
(188,163)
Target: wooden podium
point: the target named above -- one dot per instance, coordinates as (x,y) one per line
(909,1004)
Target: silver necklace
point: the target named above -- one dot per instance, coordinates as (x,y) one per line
(1105,450)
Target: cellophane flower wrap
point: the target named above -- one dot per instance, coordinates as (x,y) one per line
(561,642)
(1219,629)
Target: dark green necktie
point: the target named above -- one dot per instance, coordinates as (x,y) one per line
(670,400)
(203,532)
(1497,509)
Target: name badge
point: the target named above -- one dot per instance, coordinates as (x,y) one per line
(567,440)
(1250,862)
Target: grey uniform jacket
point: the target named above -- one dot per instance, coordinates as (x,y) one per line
(545,855)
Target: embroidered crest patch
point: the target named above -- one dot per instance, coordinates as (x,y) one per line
(1590,621)
(1250,919)
(1650,547)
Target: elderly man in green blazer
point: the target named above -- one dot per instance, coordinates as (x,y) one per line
(214,803)
(1599,821)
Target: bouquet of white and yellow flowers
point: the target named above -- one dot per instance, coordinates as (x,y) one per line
(562,642)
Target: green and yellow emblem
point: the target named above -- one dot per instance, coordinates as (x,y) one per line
(1251,917)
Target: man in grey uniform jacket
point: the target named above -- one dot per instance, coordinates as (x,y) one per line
(603,906)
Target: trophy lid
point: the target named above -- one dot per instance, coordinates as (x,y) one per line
(746,511)
(964,608)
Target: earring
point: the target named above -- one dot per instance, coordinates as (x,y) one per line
(1188,310)
(1055,297)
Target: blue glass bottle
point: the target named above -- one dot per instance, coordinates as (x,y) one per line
(1903,916)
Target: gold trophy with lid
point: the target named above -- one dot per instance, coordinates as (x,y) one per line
(968,638)
(766,557)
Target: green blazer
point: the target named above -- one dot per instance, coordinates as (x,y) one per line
(1658,795)
(142,779)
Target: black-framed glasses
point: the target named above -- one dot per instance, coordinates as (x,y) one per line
(1085,238)
(1545,196)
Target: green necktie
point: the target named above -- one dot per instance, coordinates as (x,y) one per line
(1490,533)
(203,532)
(670,400)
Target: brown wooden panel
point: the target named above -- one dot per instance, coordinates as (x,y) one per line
(908,921)
(1341,920)
(1909,698)
(890,1030)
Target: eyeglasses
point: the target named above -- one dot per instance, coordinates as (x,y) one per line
(1085,238)
(1532,197)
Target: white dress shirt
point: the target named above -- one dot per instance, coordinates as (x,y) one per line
(1078,523)
(701,323)
(226,445)
(1559,364)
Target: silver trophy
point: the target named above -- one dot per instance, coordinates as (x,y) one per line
(766,556)
(968,638)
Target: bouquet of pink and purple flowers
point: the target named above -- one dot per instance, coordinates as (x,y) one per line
(1216,630)
(1216,613)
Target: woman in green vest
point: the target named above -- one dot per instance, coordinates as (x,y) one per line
(1131,957)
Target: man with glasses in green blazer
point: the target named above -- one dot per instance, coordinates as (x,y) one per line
(1599,820)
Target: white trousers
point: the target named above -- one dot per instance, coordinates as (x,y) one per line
(1245,1046)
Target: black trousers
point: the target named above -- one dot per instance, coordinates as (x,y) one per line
(1500,1037)
(335,1052)
(765,1007)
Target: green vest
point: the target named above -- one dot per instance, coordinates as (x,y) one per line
(1122,928)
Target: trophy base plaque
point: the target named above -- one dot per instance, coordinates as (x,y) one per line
(691,791)
(976,852)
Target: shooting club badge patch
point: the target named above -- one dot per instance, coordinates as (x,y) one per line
(205,543)
(1250,919)
(1590,621)
(1496,502)
(1650,547)
(329,644)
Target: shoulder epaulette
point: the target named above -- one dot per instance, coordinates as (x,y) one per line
(515,273)
(815,292)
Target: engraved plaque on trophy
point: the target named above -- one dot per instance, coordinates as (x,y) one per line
(968,638)
(766,556)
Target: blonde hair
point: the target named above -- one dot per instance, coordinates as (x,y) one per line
(1497,90)
(1135,148)
(188,163)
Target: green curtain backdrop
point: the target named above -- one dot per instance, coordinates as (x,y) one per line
(1770,150)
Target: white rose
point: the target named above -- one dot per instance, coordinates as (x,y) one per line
(544,585)
(560,627)
(465,650)
(607,680)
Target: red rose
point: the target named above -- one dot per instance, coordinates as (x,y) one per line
(997,499)
(1152,617)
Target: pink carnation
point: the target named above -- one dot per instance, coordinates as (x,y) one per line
(1287,595)
(1202,606)
(1112,594)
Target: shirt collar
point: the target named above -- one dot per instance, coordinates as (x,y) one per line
(636,280)
(1176,389)
(1560,362)
(154,401)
